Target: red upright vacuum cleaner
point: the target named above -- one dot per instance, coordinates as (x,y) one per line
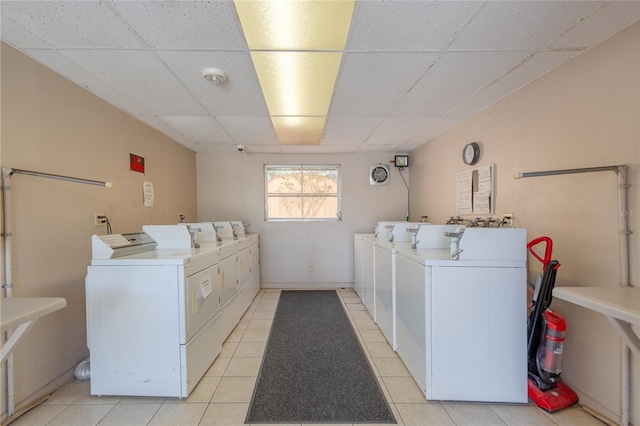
(545,340)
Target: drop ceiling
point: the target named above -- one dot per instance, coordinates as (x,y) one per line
(410,69)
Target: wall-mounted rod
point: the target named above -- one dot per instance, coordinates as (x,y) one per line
(566,171)
(623,239)
(9,171)
(621,171)
(8,274)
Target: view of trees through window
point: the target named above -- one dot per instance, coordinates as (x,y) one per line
(302,192)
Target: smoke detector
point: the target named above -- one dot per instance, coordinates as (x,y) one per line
(214,75)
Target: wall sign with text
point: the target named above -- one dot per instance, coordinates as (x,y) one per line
(475,191)
(136,163)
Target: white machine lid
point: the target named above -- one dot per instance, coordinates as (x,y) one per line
(442,257)
(163,257)
(117,245)
(428,257)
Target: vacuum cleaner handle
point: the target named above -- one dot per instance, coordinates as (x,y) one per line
(547,250)
(535,322)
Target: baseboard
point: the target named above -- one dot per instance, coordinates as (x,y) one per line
(305,286)
(39,396)
(599,416)
(596,409)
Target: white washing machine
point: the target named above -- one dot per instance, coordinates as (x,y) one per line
(153,315)
(461,324)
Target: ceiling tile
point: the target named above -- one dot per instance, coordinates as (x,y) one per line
(370,84)
(454,78)
(72,23)
(17,36)
(142,76)
(301,149)
(265,149)
(407,25)
(407,63)
(344,131)
(438,127)
(535,67)
(330,149)
(239,96)
(407,147)
(248,149)
(398,130)
(249,130)
(72,71)
(605,22)
(164,128)
(184,24)
(523,25)
(201,130)
(376,148)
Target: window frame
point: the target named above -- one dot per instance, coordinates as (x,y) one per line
(301,167)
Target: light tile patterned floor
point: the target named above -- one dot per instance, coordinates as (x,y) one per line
(222,397)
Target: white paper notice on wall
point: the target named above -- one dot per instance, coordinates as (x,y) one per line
(147,191)
(474,191)
(464,200)
(481,203)
(205,287)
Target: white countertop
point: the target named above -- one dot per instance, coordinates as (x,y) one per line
(620,305)
(618,302)
(18,310)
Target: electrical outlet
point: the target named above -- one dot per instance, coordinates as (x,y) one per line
(99,219)
(310,267)
(507,219)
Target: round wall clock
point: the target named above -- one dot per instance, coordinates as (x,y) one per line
(471,153)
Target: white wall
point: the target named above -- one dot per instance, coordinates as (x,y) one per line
(584,114)
(231,187)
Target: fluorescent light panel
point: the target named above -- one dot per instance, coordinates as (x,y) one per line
(296,50)
(295,25)
(298,130)
(297,83)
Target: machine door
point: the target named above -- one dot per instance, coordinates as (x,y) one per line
(244,265)
(228,275)
(479,334)
(384,292)
(203,298)
(412,291)
(357,265)
(255,257)
(368,277)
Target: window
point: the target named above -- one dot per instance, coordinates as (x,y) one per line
(302,192)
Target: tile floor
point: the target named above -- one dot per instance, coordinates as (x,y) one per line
(222,397)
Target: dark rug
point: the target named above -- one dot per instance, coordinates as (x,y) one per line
(314,369)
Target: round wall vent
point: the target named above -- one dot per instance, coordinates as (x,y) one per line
(379,174)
